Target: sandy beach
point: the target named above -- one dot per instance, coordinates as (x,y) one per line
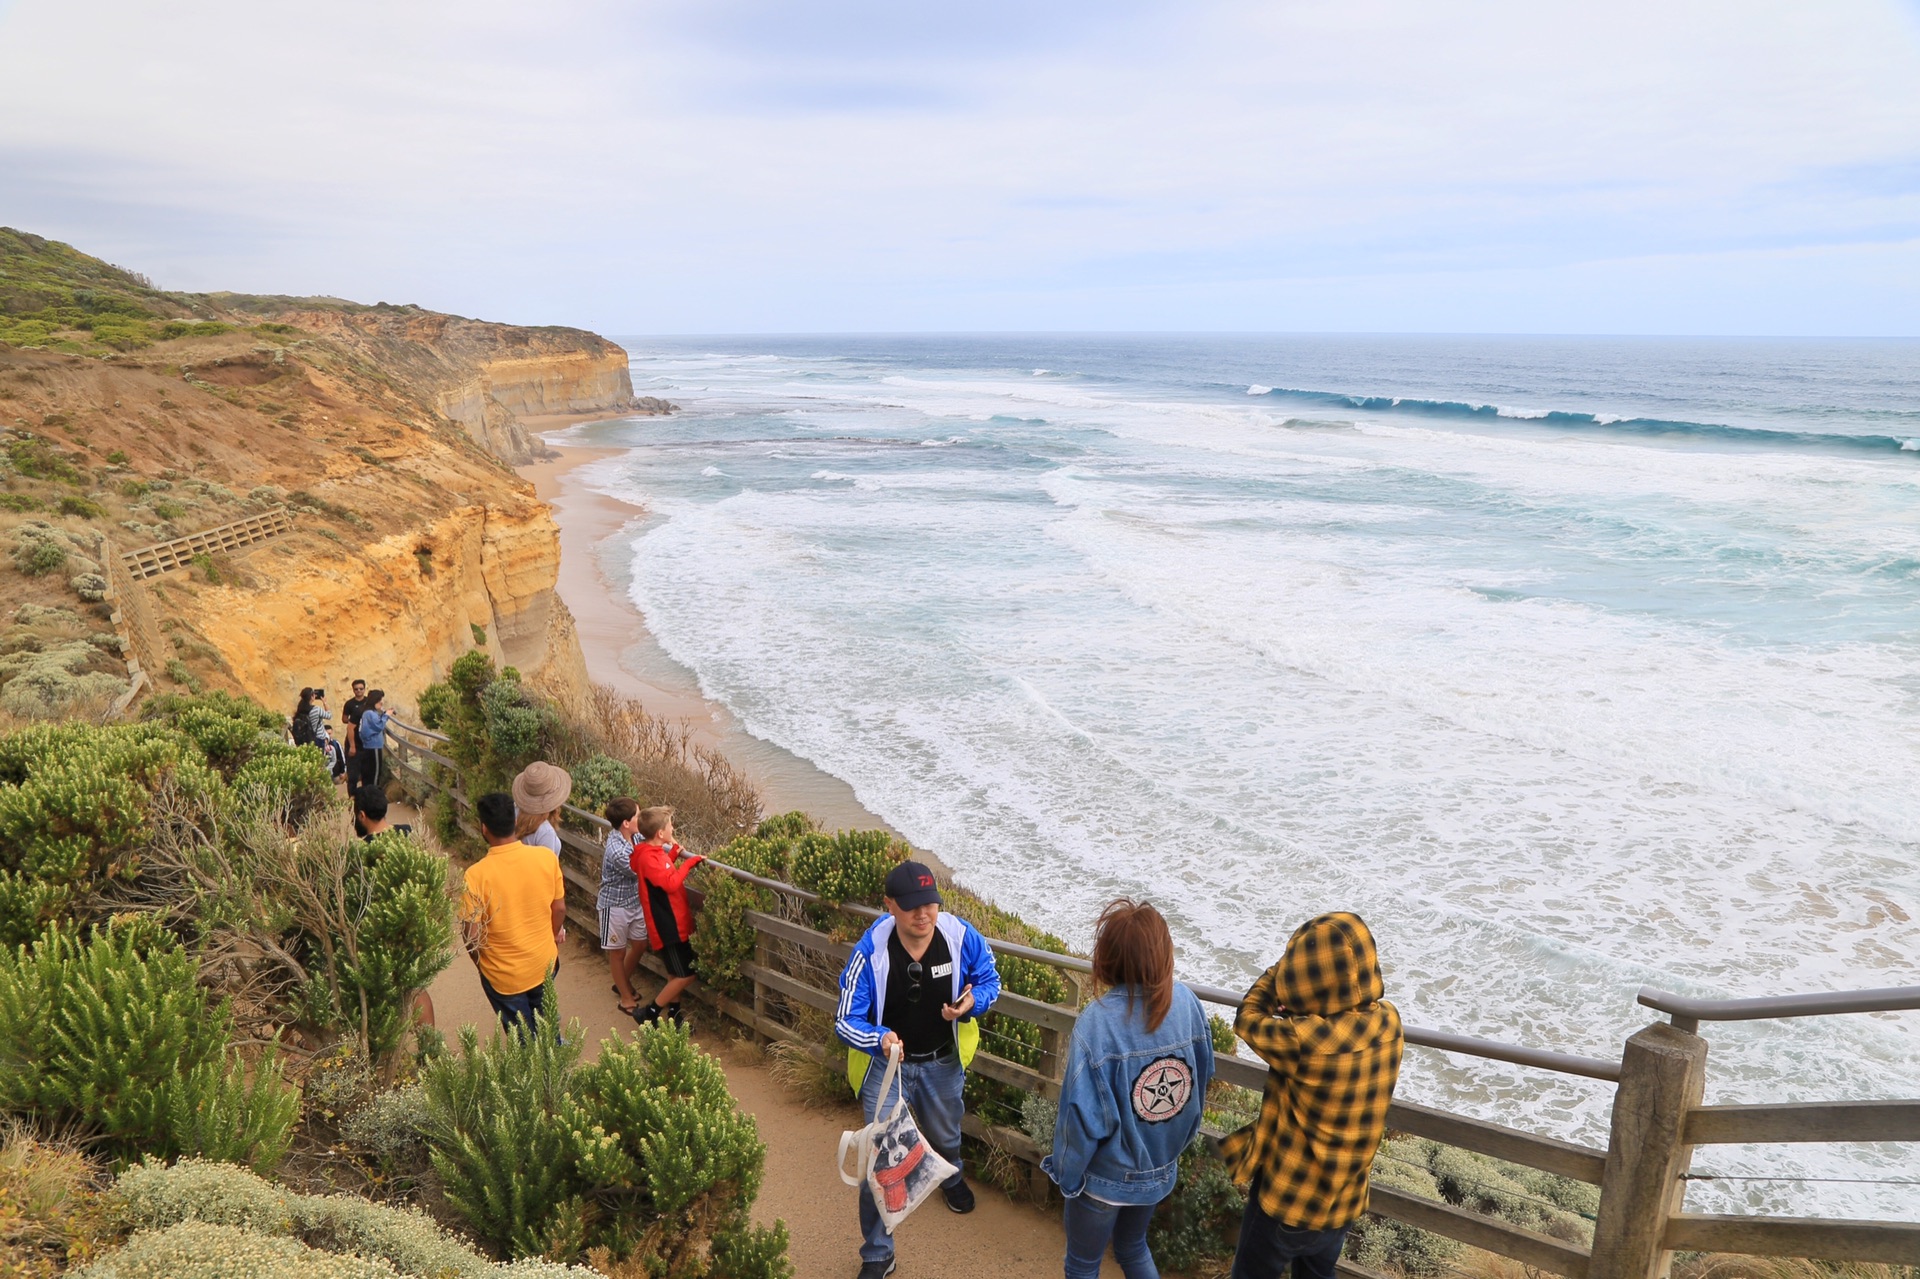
(618,647)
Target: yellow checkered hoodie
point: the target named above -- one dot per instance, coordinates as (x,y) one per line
(1332,1046)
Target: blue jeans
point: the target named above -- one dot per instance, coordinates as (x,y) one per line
(516,1012)
(1091,1224)
(933,1095)
(1267,1248)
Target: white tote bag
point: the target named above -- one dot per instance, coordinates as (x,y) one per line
(892,1160)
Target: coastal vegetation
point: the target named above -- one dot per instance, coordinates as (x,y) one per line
(208,984)
(497,723)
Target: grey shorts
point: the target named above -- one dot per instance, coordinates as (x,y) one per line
(621,927)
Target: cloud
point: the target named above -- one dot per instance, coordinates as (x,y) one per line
(749,165)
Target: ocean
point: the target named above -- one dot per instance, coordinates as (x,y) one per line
(1570,664)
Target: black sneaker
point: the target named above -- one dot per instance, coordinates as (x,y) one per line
(959,1196)
(673,1012)
(876,1269)
(647,1013)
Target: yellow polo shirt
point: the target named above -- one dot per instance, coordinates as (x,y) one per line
(510,895)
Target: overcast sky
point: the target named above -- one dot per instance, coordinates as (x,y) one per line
(693,166)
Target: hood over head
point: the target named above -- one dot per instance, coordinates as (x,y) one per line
(1331,966)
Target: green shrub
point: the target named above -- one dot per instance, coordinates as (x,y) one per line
(190,329)
(181,674)
(291,781)
(227,729)
(195,1250)
(497,1142)
(395,936)
(1377,1241)
(37,557)
(599,779)
(35,459)
(644,1153)
(52,682)
(208,569)
(391,1128)
(83,507)
(723,939)
(494,726)
(115,1035)
(76,803)
(166,510)
(153,1196)
(20,502)
(784,828)
(119,458)
(851,866)
(667,1160)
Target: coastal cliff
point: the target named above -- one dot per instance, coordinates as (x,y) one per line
(134,416)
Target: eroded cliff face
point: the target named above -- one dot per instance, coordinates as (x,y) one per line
(487,377)
(396,611)
(491,404)
(386,431)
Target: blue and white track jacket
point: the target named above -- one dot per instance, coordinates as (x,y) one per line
(863,984)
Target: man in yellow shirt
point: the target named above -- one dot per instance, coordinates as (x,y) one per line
(513,917)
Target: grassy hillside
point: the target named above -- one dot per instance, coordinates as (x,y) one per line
(51,294)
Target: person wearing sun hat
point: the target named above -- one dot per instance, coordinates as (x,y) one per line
(914,985)
(538,792)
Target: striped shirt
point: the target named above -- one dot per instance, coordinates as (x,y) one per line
(619,886)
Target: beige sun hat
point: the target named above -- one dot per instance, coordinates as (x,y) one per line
(541,787)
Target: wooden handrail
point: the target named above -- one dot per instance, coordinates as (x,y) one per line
(1892,1242)
(1688,1013)
(1801,1121)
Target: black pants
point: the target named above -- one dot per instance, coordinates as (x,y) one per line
(1270,1249)
(367,766)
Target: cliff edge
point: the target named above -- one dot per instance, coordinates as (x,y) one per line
(134,417)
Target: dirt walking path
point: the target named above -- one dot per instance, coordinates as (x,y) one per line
(998,1240)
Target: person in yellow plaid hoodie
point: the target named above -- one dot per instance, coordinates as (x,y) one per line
(1332,1046)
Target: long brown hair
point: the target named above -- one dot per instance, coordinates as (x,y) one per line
(1132,948)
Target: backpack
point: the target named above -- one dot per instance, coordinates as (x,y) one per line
(336,757)
(303,730)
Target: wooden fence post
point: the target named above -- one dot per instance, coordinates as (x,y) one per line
(1662,1076)
(763,959)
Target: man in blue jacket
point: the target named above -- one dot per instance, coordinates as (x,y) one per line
(914,985)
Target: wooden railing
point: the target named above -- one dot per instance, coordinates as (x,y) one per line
(1657,1118)
(151,561)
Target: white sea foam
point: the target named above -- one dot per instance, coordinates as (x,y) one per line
(1559,716)
(1257,389)
(711,471)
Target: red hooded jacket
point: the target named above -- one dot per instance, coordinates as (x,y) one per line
(662,870)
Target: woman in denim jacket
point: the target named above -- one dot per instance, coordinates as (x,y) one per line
(1136,1081)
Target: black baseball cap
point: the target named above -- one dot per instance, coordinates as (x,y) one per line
(910,884)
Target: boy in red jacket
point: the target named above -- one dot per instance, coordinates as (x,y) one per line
(662,867)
